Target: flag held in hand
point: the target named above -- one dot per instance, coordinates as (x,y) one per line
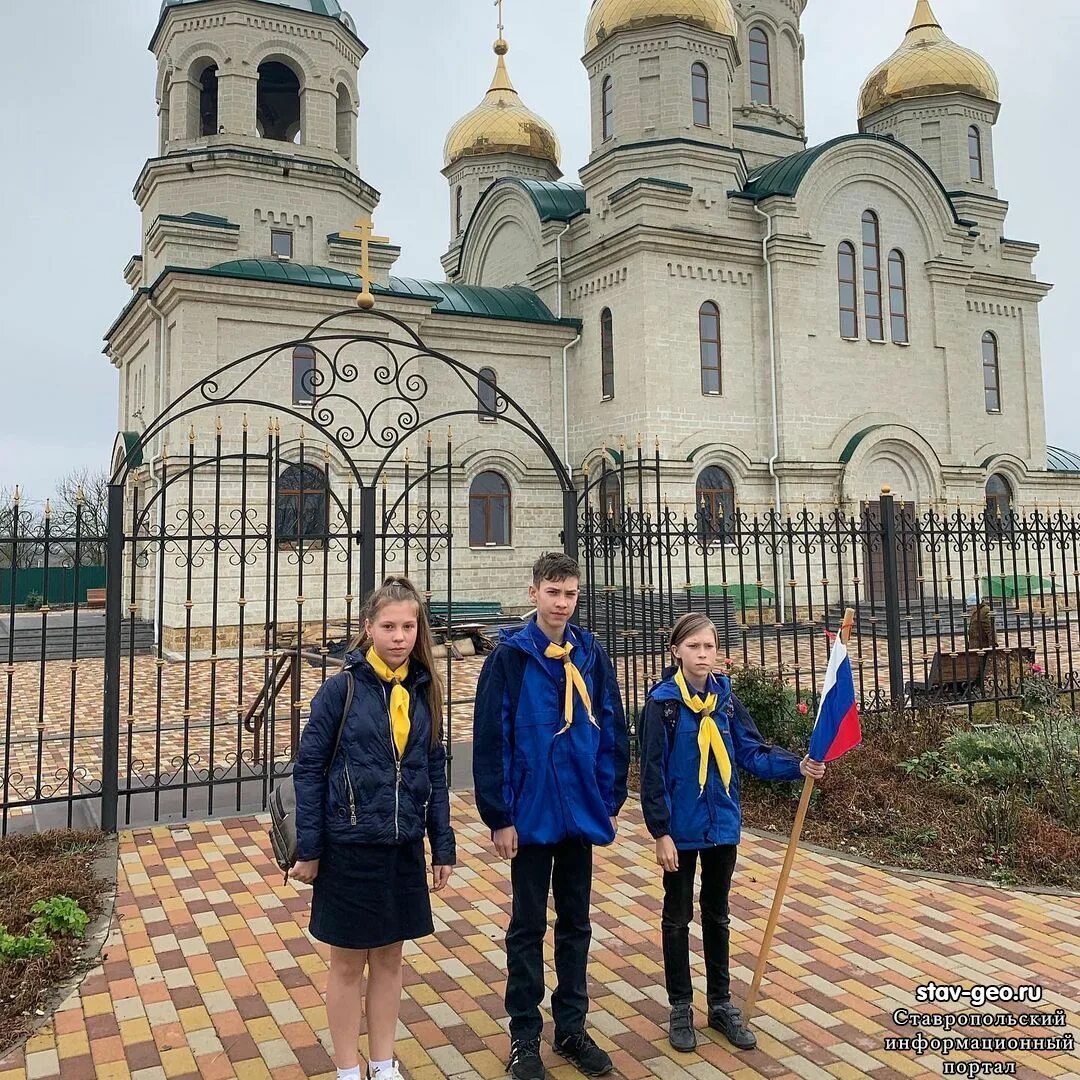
(837,728)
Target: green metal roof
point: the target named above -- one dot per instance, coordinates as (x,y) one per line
(1058,460)
(193,217)
(554,200)
(515,303)
(783,177)
(853,443)
(648,181)
(330,8)
(132,450)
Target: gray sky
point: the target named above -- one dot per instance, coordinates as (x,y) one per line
(77,104)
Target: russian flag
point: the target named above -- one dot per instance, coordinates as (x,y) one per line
(837,728)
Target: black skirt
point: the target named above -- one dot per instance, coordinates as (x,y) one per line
(367,896)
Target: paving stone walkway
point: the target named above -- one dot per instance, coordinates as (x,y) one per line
(209,972)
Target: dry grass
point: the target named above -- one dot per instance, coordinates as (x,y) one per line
(36,868)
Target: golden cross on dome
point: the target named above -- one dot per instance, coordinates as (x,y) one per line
(364,232)
(499,5)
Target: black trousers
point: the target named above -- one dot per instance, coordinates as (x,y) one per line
(717,866)
(565,871)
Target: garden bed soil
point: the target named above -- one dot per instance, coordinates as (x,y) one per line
(33,868)
(867,807)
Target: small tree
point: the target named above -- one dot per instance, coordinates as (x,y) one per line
(21,526)
(83,496)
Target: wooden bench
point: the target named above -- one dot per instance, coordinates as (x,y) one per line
(951,675)
(95,599)
(964,674)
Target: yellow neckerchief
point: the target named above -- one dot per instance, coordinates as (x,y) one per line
(709,737)
(399,697)
(574,681)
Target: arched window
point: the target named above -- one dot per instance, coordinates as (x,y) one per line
(489,511)
(607,355)
(898,308)
(715,503)
(163,114)
(700,86)
(709,338)
(304,375)
(609,494)
(849,305)
(208,101)
(991,373)
(487,394)
(277,109)
(607,107)
(760,68)
(459,198)
(345,115)
(303,506)
(875,326)
(999,497)
(975,161)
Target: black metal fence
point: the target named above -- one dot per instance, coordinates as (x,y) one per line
(954,607)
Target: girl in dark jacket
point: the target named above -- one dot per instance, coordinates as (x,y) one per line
(361,820)
(694,731)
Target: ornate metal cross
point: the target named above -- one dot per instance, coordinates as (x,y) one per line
(499,5)
(363,231)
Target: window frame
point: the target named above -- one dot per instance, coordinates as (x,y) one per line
(871,218)
(458,203)
(712,526)
(896,257)
(976,168)
(853,282)
(766,63)
(711,310)
(487,411)
(700,73)
(607,355)
(992,364)
(276,234)
(287,539)
(607,108)
(488,500)
(303,354)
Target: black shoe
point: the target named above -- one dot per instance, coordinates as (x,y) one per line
(681,1032)
(728,1021)
(580,1050)
(525,1063)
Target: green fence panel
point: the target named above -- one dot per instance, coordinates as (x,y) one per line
(60,581)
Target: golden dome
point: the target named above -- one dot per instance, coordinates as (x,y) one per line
(927,64)
(501,124)
(607,16)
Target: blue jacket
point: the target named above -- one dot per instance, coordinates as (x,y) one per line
(365,798)
(551,787)
(671,796)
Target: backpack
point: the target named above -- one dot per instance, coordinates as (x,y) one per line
(283,798)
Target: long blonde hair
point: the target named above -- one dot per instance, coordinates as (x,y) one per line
(397,590)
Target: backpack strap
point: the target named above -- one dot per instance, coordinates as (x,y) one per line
(349,689)
(670,713)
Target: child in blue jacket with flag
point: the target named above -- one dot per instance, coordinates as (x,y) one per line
(694,732)
(550,758)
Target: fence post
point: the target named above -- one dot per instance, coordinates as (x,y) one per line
(570,524)
(892,597)
(114,618)
(367,542)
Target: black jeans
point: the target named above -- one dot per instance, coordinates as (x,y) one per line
(717,866)
(565,871)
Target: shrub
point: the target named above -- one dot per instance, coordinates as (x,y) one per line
(774,707)
(34,601)
(23,946)
(60,917)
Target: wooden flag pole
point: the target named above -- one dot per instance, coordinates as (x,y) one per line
(789,861)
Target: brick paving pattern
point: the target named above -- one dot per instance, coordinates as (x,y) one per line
(209,972)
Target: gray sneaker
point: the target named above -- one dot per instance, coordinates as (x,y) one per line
(681,1032)
(728,1021)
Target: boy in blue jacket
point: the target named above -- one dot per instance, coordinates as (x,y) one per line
(694,731)
(550,758)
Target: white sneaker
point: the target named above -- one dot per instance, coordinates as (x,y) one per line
(386,1074)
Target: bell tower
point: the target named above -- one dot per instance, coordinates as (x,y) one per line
(257,154)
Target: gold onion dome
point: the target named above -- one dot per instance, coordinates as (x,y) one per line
(607,16)
(927,64)
(501,124)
